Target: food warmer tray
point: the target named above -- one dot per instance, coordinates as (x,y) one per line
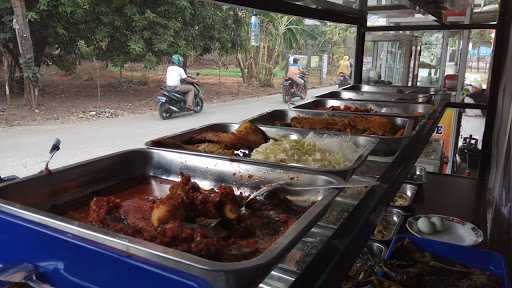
(305,250)
(366,144)
(392,89)
(33,198)
(395,218)
(283,277)
(381,108)
(377,96)
(418,175)
(340,208)
(386,146)
(410,191)
(371,168)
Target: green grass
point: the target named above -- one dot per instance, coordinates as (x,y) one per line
(233,72)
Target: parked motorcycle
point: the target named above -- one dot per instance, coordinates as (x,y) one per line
(171,102)
(292,89)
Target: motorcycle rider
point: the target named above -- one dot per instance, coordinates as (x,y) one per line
(174,76)
(345,67)
(294,71)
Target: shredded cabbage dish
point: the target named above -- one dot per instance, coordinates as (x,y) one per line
(312,151)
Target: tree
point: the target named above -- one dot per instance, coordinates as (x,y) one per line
(479,37)
(30,71)
(279,33)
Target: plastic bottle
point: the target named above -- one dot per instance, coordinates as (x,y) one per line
(255,29)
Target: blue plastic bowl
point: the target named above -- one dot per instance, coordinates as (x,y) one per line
(481,259)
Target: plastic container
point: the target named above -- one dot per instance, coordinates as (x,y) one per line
(481,259)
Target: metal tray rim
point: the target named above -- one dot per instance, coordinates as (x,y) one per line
(411,198)
(152,251)
(396,228)
(407,134)
(357,162)
(394,114)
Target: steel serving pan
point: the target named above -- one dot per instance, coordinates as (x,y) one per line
(410,191)
(380,108)
(393,89)
(393,218)
(305,250)
(34,198)
(377,96)
(418,175)
(340,208)
(386,146)
(366,144)
(278,278)
(372,168)
(376,249)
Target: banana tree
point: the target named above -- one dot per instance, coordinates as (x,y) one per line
(280,33)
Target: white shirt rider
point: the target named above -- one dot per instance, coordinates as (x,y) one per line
(174,76)
(173,79)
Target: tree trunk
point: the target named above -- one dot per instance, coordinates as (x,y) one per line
(478,59)
(30,72)
(9,71)
(242,67)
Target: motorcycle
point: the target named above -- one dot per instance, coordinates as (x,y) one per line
(171,102)
(342,80)
(292,89)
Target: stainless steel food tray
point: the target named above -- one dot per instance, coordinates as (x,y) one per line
(386,146)
(282,277)
(278,278)
(340,208)
(371,168)
(381,108)
(377,249)
(366,144)
(377,96)
(410,191)
(305,250)
(393,89)
(418,175)
(393,216)
(33,197)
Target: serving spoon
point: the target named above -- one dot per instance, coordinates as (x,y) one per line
(53,150)
(265,190)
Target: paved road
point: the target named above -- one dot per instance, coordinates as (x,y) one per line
(23,150)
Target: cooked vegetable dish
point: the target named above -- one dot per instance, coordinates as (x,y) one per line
(250,141)
(312,151)
(206,223)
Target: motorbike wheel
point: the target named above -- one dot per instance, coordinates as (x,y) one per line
(286,94)
(164,111)
(303,92)
(198,104)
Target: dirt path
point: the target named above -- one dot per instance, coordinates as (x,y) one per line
(74,98)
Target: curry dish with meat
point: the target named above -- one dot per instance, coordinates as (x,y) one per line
(206,223)
(348,108)
(246,137)
(373,125)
